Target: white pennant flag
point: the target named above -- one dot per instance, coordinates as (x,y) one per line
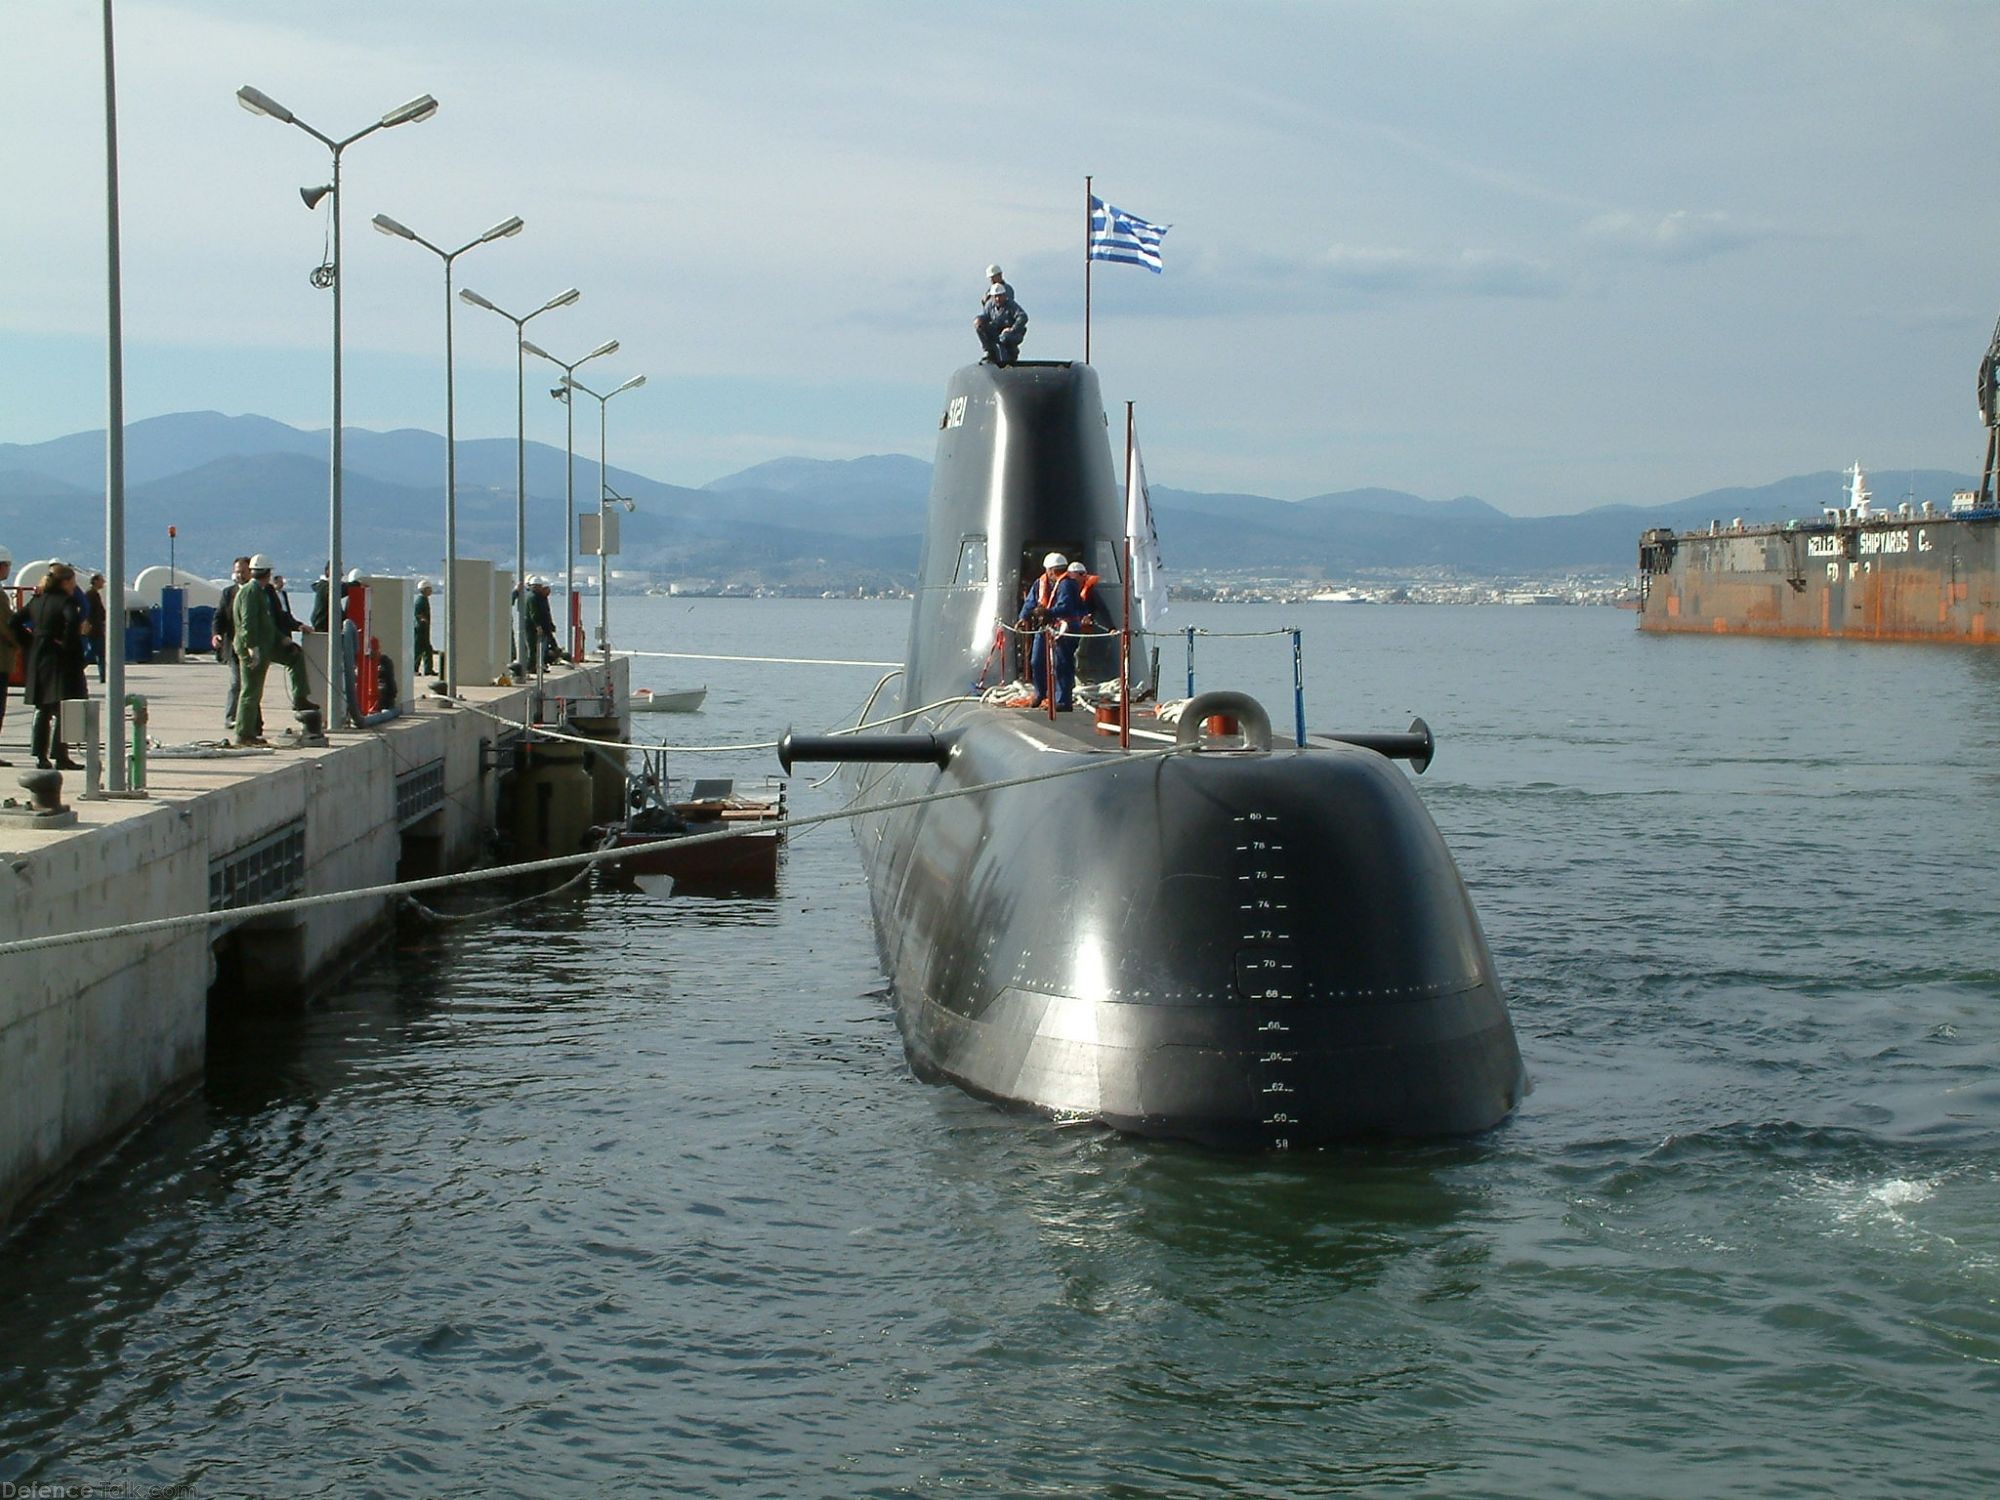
(1149,579)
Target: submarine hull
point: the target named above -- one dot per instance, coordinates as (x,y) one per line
(1245,949)
(1251,947)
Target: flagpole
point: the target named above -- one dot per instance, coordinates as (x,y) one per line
(1125,625)
(1086,269)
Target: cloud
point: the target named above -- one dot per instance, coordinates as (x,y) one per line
(1680,236)
(1413,273)
(1211,282)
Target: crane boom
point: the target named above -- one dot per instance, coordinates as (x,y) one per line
(1989,414)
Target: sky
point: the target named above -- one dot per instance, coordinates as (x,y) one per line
(1554,255)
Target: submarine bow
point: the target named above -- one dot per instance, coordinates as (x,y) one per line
(1236,943)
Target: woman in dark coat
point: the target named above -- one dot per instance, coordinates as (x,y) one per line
(55,660)
(12,641)
(93,641)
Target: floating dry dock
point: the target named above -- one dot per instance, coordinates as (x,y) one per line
(1914,573)
(94,1035)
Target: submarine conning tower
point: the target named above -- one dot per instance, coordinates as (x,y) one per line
(1023,469)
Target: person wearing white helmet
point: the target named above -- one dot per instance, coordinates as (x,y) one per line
(542,646)
(424,652)
(1091,606)
(260,642)
(10,635)
(1002,322)
(1051,602)
(349,586)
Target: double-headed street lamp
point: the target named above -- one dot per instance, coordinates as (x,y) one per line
(605,497)
(569,472)
(499,231)
(560,299)
(418,109)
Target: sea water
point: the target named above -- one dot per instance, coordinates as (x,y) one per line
(616,1191)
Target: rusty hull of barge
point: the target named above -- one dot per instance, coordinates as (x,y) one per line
(1883,577)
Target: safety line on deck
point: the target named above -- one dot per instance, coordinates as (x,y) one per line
(1233,635)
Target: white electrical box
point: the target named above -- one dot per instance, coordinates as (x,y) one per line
(589,523)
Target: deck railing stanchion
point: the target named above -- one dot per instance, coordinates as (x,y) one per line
(1299,687)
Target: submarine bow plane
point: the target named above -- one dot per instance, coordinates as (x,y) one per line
(1244,944)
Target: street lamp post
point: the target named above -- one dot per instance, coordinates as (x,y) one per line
(610,346)
(499,231)
(418,109)
(560,299)
(112,646)
(605,496)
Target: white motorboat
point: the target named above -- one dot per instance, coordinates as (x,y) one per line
(672,701)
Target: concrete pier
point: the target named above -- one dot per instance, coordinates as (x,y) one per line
(95,1035)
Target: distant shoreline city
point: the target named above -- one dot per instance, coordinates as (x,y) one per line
(1570,589)
(808,528)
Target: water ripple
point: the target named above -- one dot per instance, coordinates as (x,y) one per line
(626,1192)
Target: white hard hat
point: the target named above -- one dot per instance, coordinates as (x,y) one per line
(5,555)
(1077,567)
(354,575)
(538,582)
(423,583)
(992,271)
(260,564)
(1055,560)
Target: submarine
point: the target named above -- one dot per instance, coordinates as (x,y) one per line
(1207,936)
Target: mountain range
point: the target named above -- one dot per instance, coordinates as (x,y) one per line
(247,483)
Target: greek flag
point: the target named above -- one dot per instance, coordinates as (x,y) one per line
(1119,236)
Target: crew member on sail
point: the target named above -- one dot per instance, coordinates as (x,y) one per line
(1002,322)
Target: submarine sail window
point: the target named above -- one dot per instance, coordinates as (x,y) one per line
(1107,553)
(971,560)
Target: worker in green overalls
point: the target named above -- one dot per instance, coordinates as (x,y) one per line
(260,643)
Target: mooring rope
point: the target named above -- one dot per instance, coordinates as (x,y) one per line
(861,721)
(545,732)
(432,914)
(1096,761)
(648,745)
(782,661)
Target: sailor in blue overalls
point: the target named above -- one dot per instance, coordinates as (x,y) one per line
(1054,599)
(1002,323)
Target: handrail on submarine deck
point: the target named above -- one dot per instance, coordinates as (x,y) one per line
(1190,632)
(1298,665)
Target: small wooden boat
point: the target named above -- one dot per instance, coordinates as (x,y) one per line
(673,701)
(657,835)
